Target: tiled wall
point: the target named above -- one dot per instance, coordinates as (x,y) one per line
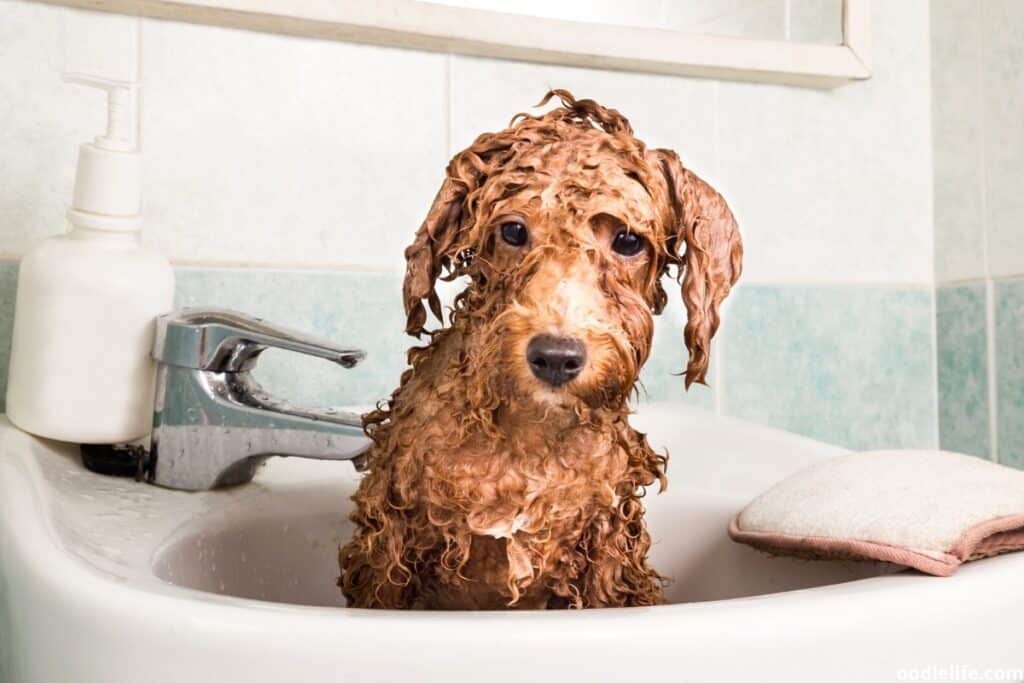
(285,176)
(978,122)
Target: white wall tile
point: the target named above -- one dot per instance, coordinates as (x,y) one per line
(101,44)
(277,149)
(957,140)
(836,185)
(664,111)
(42,122)
(1003,124)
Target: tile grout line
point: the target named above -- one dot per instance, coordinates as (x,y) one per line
(978,280)
(288,267)
(915,286)
(990,353)
(937,395)
(449,59)
(719,362)
(990,306)
(224,264)
(935,365)
(449,136)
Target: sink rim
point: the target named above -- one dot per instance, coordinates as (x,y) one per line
(142,582)
(821,601)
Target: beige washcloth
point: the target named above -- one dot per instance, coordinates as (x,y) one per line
(930,510)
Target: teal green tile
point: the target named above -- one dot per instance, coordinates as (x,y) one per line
(847,365)
(1009,326)
(661,378)
(8,289)
(963,368)
(358,309)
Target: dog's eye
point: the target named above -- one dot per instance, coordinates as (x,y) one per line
(514,233)
(627,243)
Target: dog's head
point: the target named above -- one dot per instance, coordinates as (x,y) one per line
(565,224)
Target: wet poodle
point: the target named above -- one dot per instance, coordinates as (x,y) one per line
(504,472)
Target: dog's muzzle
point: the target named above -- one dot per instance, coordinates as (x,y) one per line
(556,360)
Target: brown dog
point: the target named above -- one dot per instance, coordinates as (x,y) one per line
(503,471)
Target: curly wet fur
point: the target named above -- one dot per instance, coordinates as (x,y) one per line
(486,489)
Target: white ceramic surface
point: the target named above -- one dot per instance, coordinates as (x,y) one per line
(111,580)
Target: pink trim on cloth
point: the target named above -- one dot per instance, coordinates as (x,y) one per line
(991,537)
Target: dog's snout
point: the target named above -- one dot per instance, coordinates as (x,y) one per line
(555,360)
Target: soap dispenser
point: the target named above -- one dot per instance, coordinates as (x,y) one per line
(81,369)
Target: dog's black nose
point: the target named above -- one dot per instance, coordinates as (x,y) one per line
(555,360)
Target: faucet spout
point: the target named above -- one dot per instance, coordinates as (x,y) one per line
(213,424)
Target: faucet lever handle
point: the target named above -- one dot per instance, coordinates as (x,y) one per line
(221,340)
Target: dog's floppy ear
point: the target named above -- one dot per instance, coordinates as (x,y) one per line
(429,254)
(713,257)
(445,240)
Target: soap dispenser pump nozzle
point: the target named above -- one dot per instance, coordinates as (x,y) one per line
(122,111)
(108,181)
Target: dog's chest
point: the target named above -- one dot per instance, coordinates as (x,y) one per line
(525,518)
(505,494)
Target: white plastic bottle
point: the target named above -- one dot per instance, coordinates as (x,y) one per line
(81,369)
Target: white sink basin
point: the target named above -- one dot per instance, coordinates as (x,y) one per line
(106,579)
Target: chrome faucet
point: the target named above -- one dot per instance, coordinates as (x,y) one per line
(213,424)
